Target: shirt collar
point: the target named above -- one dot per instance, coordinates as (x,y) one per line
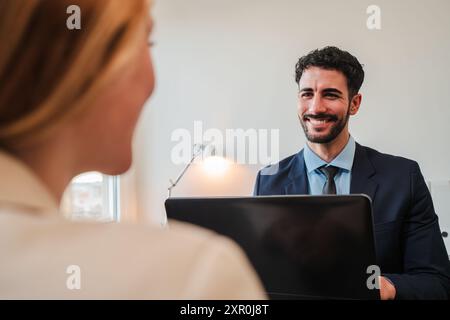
(344,159)
(20,187)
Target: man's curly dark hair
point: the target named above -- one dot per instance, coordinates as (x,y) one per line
(332,58)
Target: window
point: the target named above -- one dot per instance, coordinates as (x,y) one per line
(92,196)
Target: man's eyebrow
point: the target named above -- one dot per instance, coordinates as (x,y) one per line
(306,89)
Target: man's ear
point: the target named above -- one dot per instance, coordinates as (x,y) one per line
(355,104)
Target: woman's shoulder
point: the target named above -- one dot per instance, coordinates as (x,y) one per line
(178,261)
(56,229)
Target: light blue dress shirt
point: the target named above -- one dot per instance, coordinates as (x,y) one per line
(344,161)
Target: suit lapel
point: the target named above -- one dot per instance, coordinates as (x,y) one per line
(362,174)
(298,179)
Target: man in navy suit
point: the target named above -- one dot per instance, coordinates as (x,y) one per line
(409,246)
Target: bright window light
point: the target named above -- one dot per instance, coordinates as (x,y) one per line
(92,196)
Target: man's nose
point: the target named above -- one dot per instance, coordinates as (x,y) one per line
(317,106)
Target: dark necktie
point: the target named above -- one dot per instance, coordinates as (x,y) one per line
(330,186)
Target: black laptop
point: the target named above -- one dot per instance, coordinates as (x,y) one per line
(302,247)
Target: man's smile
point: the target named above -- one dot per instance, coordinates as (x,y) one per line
(319,121)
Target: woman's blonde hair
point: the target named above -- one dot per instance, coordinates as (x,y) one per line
(48,73)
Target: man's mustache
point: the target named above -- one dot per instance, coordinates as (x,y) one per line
(321,116)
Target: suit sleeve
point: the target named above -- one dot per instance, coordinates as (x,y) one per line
(426,273)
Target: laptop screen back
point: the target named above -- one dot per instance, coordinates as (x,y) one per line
(301,246)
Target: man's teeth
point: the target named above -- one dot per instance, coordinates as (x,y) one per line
(316,121)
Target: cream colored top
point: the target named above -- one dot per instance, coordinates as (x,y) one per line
(112,261)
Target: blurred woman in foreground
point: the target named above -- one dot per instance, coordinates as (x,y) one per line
(69,102)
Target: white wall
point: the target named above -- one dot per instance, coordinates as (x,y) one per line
(231,64)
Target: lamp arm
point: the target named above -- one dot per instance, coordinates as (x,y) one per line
(174,184)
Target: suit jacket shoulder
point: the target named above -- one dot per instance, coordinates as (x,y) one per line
(383,162)
(275,179)
(272,179)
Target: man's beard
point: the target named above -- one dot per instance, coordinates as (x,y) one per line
(336,128)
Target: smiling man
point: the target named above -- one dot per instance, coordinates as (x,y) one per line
(409,247)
